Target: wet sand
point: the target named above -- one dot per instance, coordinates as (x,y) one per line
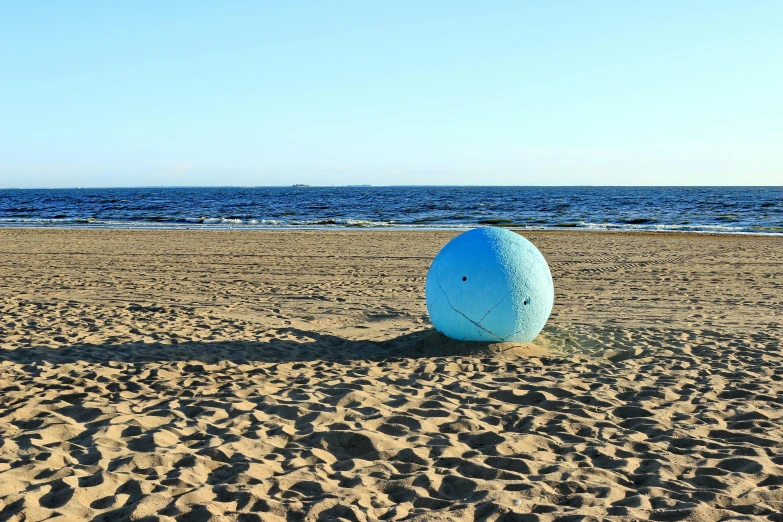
(189,375)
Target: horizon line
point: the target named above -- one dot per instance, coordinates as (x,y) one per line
(306,186)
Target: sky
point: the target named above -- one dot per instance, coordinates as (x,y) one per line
(102,94)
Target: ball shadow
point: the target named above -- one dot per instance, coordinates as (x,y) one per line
(296,346)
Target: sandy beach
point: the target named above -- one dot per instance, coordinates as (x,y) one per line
(277,376)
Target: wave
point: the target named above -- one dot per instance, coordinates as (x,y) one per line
(220,223)
(704,228)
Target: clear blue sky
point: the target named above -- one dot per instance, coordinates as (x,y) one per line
(276,93)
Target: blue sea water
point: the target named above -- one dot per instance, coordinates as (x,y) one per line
(704,209)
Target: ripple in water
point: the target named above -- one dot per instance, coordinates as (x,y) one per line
(705,209)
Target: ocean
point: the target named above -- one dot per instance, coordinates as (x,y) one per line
(756,210)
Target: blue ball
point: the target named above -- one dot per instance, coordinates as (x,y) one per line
(491,285)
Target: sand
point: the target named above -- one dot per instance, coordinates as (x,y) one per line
(189,375)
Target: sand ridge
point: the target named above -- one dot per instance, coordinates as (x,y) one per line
(288,376)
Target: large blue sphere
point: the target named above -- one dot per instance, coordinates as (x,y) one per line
(489,284)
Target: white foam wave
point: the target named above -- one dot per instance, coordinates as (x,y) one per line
(221,223)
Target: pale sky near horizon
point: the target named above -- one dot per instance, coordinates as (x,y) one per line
(502,93)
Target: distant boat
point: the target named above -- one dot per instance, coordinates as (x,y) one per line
(300,185)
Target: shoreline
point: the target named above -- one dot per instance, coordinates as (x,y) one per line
(221,228)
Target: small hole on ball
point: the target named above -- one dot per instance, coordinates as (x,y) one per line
(524,302)
(464,278)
